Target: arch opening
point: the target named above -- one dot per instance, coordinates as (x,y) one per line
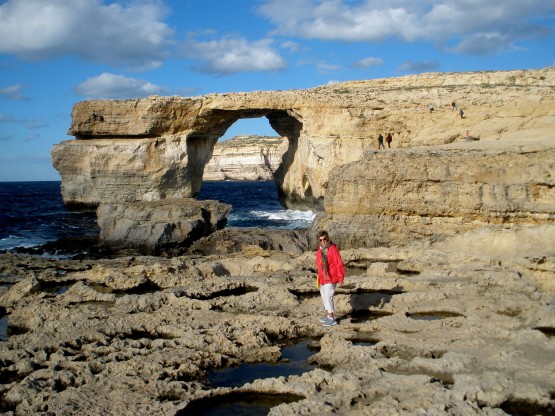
(255,188)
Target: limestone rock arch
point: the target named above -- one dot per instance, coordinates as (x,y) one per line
(156,148)
(128,151)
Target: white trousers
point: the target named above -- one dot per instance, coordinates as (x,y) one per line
(327,291)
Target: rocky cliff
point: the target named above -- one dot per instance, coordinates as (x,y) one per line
(157,147)
(426,194)
(449,306)
(245,158)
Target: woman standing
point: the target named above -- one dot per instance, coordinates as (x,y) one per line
(331,272)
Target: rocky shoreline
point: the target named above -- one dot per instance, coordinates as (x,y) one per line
(440,330)
(449,301)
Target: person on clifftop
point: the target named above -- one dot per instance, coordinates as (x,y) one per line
(331,272)
(389,139)
(380,142)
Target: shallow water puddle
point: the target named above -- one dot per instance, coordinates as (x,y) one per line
(4,328)
(294,362)
(7,331)
(364,339)
(433,316)
(365,342)
(237,404)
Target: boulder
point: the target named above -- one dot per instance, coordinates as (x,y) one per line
(236,240)
(153,226)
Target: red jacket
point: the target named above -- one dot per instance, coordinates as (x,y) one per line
(335,266)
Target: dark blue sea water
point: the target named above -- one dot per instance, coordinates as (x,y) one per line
(255,204)
(32,213)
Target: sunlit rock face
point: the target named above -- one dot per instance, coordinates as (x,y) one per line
(157,147)
(429,194)
(245,158)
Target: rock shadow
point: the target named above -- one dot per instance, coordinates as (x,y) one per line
(368,304)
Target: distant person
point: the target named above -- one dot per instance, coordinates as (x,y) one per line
(380,142)
(467,135)
(389,139)
(461,113)
(453,106)
(431,108)
(331,272)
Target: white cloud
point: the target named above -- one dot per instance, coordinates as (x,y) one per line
(367,63)
(437,21)
(483,43)
(292,47)
(130,34)
(111,86)
(13,92)
(36,124)
(324,68)
(231,55)
(6,119)
(419,66)
(31,138)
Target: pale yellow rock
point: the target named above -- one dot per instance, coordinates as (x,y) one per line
(325,127)
(245,158)
(426,194)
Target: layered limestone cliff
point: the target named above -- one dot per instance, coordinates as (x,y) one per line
(448,245)
(157,147)
(428,194)
(245,158)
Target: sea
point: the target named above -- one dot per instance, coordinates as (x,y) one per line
(33,214)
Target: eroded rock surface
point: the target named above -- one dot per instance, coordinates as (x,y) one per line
(157,147)
(151,227)
(427,193)
(445,329)
(250,158)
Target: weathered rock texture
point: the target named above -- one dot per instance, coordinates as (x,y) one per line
(455,328)
(245,158)
(154,226)
(449,306)
(427,194)
(155,148)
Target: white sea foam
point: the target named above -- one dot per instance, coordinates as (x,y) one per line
(286,215)
(13,241)
(287,219)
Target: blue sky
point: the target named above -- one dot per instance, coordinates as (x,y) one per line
(54,53)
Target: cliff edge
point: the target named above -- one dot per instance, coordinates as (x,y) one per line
(158,147)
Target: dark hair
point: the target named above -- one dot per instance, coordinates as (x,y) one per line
(323,234)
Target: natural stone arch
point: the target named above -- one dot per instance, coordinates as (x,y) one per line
(138,149)
(201,142)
